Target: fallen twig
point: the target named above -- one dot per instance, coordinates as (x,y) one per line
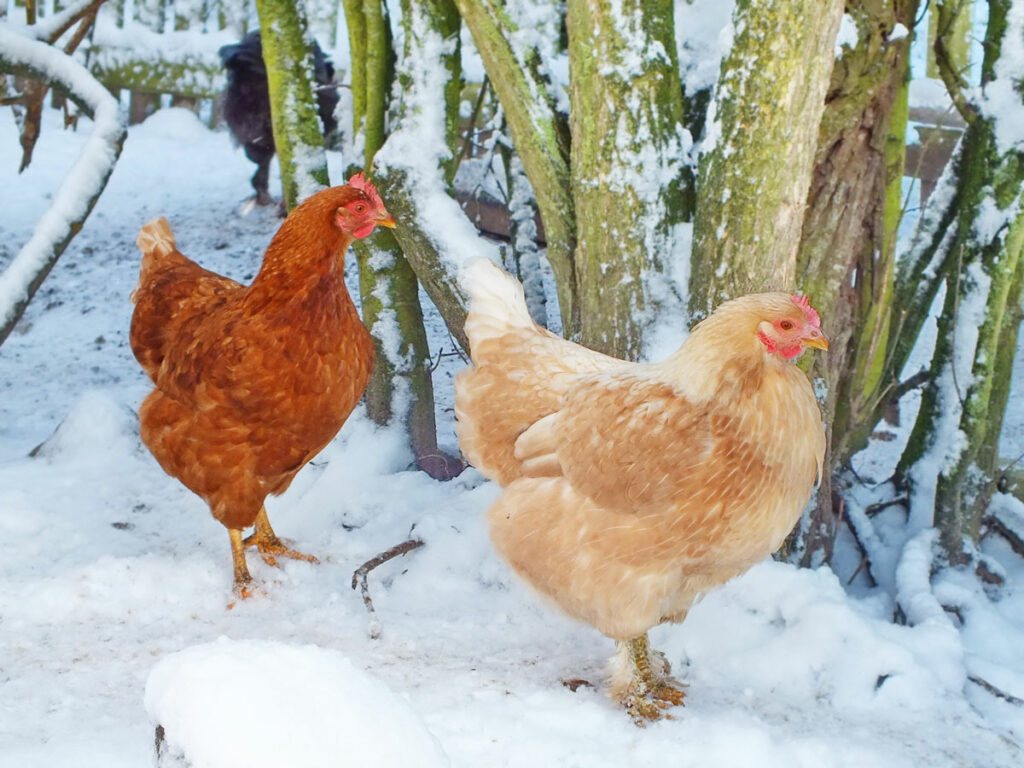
(873,509)
(995,525)
(997,692)
(360,574)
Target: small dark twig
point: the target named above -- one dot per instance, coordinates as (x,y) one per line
(995,525)
(458,350)
(360,574)
(441,354)
(997,692)
(474,116)
(914,382)
(860,567)
(874,509)
(865,562)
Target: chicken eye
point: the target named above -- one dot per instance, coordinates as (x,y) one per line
(359,208)
(786,325)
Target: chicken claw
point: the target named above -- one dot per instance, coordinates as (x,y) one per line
(648,692)
(269,545)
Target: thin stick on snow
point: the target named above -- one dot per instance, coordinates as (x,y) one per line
(360,574)
(999,693)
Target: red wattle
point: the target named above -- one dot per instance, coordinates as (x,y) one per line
(364,230)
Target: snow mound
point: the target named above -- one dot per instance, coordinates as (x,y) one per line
(96,426)
(787,633)
(263,704)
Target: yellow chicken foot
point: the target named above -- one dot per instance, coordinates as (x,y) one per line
(647,692)
(243,581)
(269,545)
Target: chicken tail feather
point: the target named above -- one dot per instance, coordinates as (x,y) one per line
(156,238)
(496,302)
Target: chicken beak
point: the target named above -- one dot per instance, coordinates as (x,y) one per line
(816,339)
(385,221)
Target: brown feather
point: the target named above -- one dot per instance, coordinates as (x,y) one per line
(251,381)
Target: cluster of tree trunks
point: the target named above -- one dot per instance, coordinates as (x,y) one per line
(797,186)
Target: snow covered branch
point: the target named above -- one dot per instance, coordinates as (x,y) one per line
(85,181)
(438,238)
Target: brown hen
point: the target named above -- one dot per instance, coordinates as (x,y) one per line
(253,381)
(632,489)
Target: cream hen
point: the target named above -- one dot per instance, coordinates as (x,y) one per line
(629,489)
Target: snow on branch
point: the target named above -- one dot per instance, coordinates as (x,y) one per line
(417,147)
(438,238)
(85,181)
(53,27)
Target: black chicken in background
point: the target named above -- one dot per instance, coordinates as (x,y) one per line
(247,103)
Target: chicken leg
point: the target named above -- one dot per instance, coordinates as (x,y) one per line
(242,577)
(269,545)
(645,692)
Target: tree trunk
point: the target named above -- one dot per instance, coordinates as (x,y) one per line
(951,21)
(400,387)
(754,178)
(539,131)
(288,56)
(355,22)
(963,404)
(628,167)
(845,259)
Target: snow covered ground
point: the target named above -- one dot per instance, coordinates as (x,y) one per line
(114,575)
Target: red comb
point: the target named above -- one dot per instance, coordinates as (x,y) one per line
(810,313)
(358,181)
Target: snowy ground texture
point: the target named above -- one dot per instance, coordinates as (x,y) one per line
(115,581)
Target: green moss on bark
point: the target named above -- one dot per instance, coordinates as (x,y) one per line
(540,134)
(753,184)
(293,109)
(628,178)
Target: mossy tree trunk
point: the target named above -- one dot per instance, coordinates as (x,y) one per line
(610,181)
(288,55)
(400,387)
(847,246)
(753,182)
(539,131)
(950,461)
(628,165)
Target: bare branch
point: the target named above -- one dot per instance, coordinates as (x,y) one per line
(997,526)
(85,181)
(997,692)
(947,14)
(360,574)
(55,26)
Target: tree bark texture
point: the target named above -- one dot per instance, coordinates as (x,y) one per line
(754,180)
(400,386)
(628,164)
(539,131)
(846,257)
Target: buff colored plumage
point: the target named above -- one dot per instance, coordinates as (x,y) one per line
(632,489)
